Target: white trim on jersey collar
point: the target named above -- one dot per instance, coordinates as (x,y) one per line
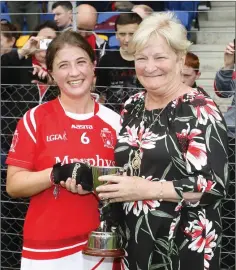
(80,116)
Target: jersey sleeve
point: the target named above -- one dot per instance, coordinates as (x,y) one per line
(23,146)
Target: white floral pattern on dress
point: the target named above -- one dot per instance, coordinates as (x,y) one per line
(194,152)
(139,206)
(203,237)
(140,137)
(204,185)
(204,108)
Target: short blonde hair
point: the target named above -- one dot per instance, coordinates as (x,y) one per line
(164,24)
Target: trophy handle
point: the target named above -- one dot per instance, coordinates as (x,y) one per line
(103,224)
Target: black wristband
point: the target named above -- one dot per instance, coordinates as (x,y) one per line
(81,172)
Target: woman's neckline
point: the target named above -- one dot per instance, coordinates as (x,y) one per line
(170,102)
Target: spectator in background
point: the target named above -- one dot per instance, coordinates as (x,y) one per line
(63,14)
(25,7)
(116,78)
(190,71)
(86,19)
(100,6)
(155,5)
(17,67)
(123,5)
(27,57)
(142,10)
(225,87)
(8,41)
(9,36)
(17,81)
(128,5)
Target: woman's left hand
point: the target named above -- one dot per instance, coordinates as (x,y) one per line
(123,188)
(70,185)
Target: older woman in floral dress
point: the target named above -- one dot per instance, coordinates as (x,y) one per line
(173,144)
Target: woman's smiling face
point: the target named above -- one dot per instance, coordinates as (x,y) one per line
(157,64)
(73,71)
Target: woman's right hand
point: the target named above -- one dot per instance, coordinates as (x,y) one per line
(42,74)
(30,47)
(71,186)
(229,56)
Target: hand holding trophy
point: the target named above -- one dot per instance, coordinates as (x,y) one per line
(104,242)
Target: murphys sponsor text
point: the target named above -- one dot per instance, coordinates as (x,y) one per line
(97,161)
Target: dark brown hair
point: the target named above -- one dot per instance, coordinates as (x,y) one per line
(9,30)
(47,24)
(67,38)
(192,61)
(64,4)
(128,18)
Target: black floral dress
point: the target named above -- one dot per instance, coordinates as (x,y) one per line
(188,146)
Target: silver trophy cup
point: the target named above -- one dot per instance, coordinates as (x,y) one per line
(105,241)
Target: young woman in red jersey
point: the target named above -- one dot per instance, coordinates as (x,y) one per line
(70,128)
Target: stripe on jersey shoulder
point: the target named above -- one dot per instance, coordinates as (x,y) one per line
(110,117)
(32,118)
(30,123)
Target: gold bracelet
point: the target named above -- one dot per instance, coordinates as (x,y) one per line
(161,192)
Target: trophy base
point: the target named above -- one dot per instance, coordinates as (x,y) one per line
(115,253)
(104,244)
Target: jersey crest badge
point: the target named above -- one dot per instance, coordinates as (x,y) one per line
(107,138)
(15,139)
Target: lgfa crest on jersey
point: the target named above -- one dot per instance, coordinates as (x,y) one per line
(15,139)
(107,138)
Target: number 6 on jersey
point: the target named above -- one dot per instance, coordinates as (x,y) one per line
(84,139)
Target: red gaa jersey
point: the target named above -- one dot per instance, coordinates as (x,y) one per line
(56,227)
